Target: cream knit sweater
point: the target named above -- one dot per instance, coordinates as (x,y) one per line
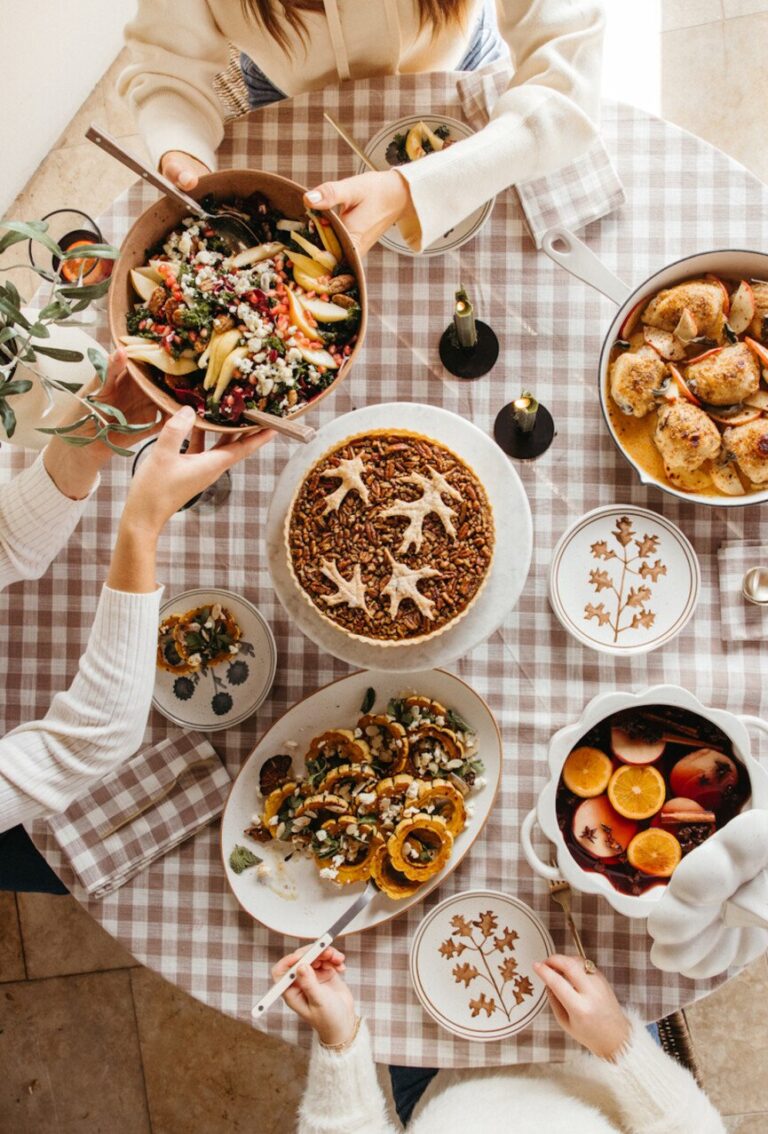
(643,1092)
(544,120)
(99,722)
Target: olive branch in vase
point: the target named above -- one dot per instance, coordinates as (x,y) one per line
(638,595)
(497,975)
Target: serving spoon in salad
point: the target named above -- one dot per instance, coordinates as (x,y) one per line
(233,231)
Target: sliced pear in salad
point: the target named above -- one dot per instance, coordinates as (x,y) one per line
(226,373)
(328,237)
(319,358)
(144,281)
(298,315)
(417,135)
(321,255)
(250,256)
(325,312)
(156,356)
(306,264)
(219,350)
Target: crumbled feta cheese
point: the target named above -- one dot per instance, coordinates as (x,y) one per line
(329,872)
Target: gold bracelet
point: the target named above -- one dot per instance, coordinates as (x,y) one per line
(339,1047)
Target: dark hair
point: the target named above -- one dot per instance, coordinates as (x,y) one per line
(268,13)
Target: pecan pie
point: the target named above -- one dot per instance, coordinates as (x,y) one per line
(390,537)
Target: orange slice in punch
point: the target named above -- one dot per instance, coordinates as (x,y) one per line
(587,771)
(637,791)
(655,851)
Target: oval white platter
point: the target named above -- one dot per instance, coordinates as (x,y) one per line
(303,904)
(623,580)
(229,693)
(512,551)
(472,964)
(460,233)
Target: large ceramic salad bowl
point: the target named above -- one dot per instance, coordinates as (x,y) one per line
(564,863)
(277,330)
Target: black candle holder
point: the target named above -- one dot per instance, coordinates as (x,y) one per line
(515,441)
(469,362)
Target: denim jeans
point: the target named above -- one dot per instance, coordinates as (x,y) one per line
(486,46)
(23,868)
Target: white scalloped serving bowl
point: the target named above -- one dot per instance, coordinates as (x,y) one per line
(545,816)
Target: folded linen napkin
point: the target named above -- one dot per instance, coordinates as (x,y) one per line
(740,621)
(171,790)
(571,197)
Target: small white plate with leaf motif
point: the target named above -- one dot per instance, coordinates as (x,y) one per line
(228,692)
(624,580)
(472,965)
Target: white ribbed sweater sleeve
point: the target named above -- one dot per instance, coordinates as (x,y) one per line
(654,1093)
(343,1095)
(97,724)
(545,118)
(36,520)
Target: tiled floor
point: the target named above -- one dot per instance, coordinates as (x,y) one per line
(89,1041)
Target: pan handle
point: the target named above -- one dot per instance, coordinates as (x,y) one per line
(572,254)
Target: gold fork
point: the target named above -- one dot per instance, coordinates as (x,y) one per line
(560,892)
(194,769)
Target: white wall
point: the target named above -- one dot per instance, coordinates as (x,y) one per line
(53,54)
(632,53)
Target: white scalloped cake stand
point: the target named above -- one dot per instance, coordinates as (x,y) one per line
(512,552)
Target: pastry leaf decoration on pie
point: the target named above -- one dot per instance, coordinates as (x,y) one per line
(351,592)
(350,472)
(416,511)
(403,584)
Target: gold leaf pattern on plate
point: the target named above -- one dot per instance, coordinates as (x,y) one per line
(502,977)
(620,582)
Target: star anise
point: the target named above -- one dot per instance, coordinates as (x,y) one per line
(589,833)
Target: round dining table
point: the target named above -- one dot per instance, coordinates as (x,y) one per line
(179,916)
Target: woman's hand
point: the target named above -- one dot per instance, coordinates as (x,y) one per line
(167,478)
(585,1005)
(320,996)
(182,169)
(368,204)
(74,470)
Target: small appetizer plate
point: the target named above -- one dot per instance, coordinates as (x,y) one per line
(623,580)
(229,692)
(472,965)
(376,150)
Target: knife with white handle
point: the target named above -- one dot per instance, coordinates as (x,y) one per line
(314,951)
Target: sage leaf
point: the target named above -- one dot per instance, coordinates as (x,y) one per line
(99,361)
(59,354)
(8,418)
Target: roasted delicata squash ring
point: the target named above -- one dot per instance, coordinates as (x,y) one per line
(393,750)
(428,832)
(448,803)
(425,738)
(389,880)
(352,774)
(321,803)
(275,801)
(341,746)
(394,785)
(360,869)
(427,705)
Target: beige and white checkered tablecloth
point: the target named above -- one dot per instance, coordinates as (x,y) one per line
(179,917)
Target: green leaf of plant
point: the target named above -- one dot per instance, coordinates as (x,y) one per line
(88,291)
(40,331)
(99,361)
(120,452)
(58,430)
(59,354)
(72,387)
(139,428)
(108,410)
(12,312)
(28,230)
(92,252)
(6,334)
(12,293)
(19,386)
(8,418)
(58,309)
(79,442)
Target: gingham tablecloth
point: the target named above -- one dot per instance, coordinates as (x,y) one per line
(179,917)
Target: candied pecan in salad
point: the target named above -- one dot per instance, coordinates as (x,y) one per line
(269,328)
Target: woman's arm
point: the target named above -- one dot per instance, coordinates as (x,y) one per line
(99,722)
(544,119)
(176,50)
(342,1095)
(654,1094)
